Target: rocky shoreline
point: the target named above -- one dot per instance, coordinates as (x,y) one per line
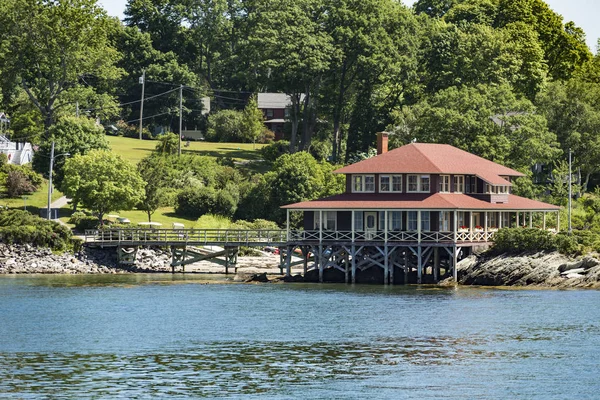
(541,269)
(27,259)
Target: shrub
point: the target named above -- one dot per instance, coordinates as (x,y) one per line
(17,184)
(516,240)
(195,202)
(273,151)
(22,227)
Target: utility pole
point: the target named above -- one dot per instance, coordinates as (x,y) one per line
(49,215)
(180,116)
(570,194)
(143,82)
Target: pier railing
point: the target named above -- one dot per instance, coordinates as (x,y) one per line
(199,237)
(241,237)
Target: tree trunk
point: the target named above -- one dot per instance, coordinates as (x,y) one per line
(295,117)
(337,115)
(305,122)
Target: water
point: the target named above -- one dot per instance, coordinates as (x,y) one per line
(163,336)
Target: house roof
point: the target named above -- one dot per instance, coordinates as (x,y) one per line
(273,100)
(431,158)
(435,201)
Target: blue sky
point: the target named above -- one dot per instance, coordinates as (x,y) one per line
(583,12)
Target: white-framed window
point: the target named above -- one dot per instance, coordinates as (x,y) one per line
(419,183)
(270,113)
(329,220)
(425,221)
(445,218)
(444,183)
(412,221)
(492,220)
(390,183)
(363,183)
(471,185)
(459,183)
(359,221)
(396,183)
(395,220)
(413,183)
(384,183)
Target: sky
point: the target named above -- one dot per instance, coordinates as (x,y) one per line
(583,12)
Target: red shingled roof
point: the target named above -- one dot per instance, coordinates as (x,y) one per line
(436,201)
(430,158)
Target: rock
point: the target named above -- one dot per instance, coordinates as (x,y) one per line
(293,278)
(257,278)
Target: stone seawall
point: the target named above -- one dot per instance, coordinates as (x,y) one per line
(530,269)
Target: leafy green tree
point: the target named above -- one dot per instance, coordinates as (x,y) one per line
(226,126)
(50,48)
(253,124)
(156,193)
(434,8)
(102,181)
(168,143)
(70,135)
(572,109)
(490,121)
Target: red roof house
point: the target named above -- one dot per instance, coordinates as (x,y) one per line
(420,194)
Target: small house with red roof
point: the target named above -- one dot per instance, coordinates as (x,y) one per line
(415,208)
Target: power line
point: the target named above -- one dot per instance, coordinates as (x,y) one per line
(151,116)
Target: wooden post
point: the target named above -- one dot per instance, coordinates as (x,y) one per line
(353,226)
(287,225)
(227,261)
(436,263)
(320,227)
(454,262)
(321,266)
(419,265)
(455,226)
(353,261)
(485,223)
(518,223)
(500,216)
(346,268)
(419,226)
(386,270)
(544,220)
(406,265)
(288,261)
(531,219)
(395,255)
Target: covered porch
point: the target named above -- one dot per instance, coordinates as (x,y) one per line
(413,225)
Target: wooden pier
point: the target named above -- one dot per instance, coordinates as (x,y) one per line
(402,257)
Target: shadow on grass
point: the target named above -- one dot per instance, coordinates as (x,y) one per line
(173,215)
(226,152)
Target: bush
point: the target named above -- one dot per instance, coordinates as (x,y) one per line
(273,151)
(195,202)
(22,227)
(226,126)
(17,184)
(516,240)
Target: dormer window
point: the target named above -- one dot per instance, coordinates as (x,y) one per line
(390,183)
(419,183)
(459,184)
(444,183)
(363,183)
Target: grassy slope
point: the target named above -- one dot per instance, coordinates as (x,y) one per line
(34,201)
(134,150)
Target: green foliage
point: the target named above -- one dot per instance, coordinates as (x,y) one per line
(83,221)
(168,143)
(22,227)
(102,182)
(274,150)
(196,202)
(226,126)
(71,135)
(49,46)
(20,179)
(516,240)
(253,126)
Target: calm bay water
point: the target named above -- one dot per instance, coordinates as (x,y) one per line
(163,336)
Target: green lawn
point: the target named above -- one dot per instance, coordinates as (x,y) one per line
(34,201)
(134,149)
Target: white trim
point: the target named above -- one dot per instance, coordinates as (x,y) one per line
(391,183)
(445,187)
(419,188)
(363,183)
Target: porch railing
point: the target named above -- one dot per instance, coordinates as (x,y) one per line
(392,236)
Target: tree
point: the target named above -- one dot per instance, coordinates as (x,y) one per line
(52,47)
(490,121)
(226,126)
(572,109)
(70,135)
(168,144)
(252,121)
(156,194)
(102,182)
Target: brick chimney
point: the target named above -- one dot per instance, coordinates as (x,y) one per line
(382,143)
